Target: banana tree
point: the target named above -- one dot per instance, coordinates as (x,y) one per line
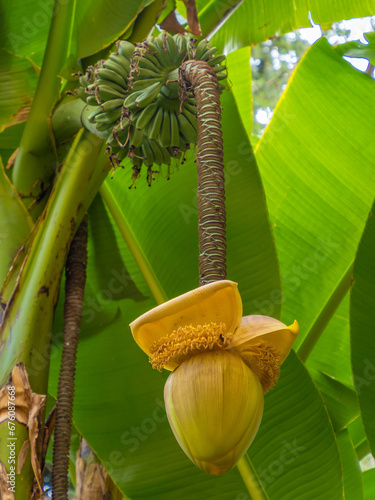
(314,166)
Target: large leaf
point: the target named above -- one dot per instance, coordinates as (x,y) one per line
(253,21)
(362,320)
(15,224)
(353,483)
(94,25)
(317,162)
(369,484)
(295,452)
(18,81)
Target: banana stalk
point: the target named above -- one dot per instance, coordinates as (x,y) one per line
(211,193)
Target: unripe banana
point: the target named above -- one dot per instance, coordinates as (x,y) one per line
(190,107)
(186,129)
(121,61)
(201,48)
(147,153)
(155,125)
(165,131)
(115,86)
(108,74)
(106,93)
(108,116)
(146,60)
(136,137)
(207,55)
(146,74)
(125,48)
(145,116)
(112,104)
(117,68)
(216,60)
(91,100)
(156,149)
(148,95)
(175,130)
(129,102)
(172,49)
(158,54)
(143,84)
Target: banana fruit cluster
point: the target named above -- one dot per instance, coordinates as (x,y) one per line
(136,103)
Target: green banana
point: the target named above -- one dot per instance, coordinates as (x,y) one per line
(166,155)
(111,84)
(91,100)
(112,104)
(146,115)
(136,137)
(155,125)
(145,74)
(201,48)
(216,60)
(191,108)
(96,111)
(108,74)
(106,93)
(186,129)
(172,49)
(156,149)
(147,153)
(165,130)
(125,49)
(148,95)
(158,54)
(129,102)
(208,54)
(121,61)
(175,130)
(117,68)
(146,60)
(143,84)
(108,116)
(181,44)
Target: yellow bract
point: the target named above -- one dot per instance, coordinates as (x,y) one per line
(223,364)
(215,405)
(181,327)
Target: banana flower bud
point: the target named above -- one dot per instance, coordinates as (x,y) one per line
(222,365)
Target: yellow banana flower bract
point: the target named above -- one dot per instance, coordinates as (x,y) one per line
(222,365)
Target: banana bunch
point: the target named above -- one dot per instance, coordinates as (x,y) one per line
(136,103)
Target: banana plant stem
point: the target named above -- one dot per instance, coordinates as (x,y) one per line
(75,272)
(32,162)
(251,480)
(325,315)
(210,166)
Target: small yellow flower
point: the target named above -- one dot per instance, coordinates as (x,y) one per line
(222,365)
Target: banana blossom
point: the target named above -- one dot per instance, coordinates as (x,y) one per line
(222,365)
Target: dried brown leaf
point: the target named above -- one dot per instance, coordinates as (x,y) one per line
(5,493)
(171,24)
(192,17)
(28,411)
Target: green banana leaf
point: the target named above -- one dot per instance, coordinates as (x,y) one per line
(15,224)
(369,484)
(316,158)
(18,80)
(94,26)
(357,49)
(362,319)
(353,481)
(252,21)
